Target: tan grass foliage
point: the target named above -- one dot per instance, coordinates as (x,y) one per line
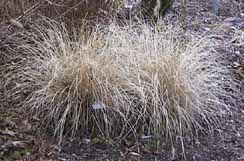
(120,82)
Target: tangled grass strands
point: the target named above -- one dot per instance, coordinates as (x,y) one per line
(121,82)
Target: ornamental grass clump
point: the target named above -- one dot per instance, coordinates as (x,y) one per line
(66,81)
(179,84)
(121,82)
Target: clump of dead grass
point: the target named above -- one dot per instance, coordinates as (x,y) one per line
(120,82)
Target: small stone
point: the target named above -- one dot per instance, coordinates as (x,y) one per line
(134,154)
(86,141)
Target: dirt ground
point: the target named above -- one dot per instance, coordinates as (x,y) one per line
(21,137)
